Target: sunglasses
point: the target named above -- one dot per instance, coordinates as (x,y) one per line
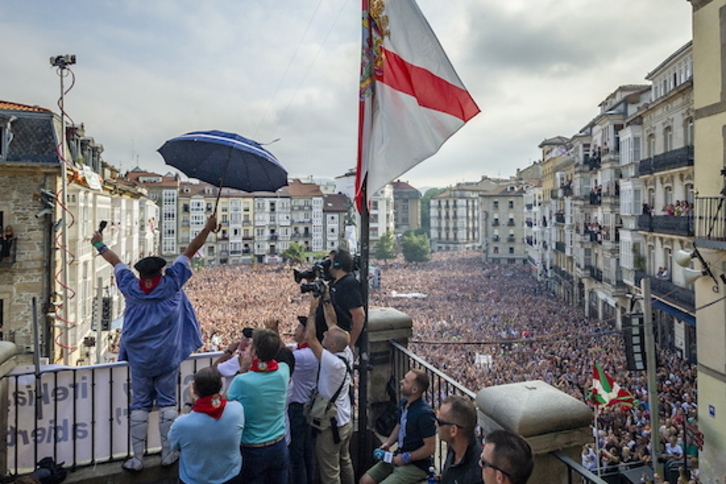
(442,423)
(484,464)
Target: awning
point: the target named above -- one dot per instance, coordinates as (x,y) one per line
(675,312)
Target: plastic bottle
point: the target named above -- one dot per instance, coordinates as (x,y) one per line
(432,476)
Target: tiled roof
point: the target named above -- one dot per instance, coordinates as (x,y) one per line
(399,185)
(298,189)
(335,202)
(11,106)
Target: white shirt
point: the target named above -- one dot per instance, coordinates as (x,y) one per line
(304,377)
(332,370)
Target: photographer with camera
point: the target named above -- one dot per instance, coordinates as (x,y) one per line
(345,293)
(332,445)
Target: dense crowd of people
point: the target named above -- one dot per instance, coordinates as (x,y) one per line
(483,325)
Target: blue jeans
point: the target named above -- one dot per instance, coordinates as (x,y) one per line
(265,465)
(302,452)
(147,390)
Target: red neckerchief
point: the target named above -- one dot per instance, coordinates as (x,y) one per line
(212,405)
(302,346)
(148,285)
(263,366)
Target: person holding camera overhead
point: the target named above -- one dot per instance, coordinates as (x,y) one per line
(346,296)
(160,331)
(332,443)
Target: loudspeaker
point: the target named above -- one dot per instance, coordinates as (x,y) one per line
(683,258)
(691,275)
(634,337)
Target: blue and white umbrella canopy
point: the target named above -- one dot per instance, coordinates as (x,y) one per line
(225,160)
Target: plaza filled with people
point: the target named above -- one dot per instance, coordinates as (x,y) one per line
(482,325)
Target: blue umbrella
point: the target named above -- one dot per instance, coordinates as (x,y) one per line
(226,160)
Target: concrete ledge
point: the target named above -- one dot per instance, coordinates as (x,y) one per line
(7,357)
(385,324)
(531,408)
(112,473)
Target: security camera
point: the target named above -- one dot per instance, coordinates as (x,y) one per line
(62,61)
(43,213)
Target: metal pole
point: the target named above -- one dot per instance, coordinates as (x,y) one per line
(99,317)
(64,226)
(363,440)
(652,371)
(36,359)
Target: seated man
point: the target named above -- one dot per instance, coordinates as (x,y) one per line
(208,438)
(415,434)
(456,422)
(506,458)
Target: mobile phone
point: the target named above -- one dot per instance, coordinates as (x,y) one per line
(102,226)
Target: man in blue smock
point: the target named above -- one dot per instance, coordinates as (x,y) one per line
(160,331)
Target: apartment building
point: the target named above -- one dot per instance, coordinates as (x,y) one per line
(406,207)
(709,114)
(51,259)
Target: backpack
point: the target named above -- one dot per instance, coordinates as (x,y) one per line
(50,472)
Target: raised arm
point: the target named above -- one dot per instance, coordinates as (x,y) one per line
(311,337)
(201,237)
(103,250)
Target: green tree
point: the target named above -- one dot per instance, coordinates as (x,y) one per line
(426,208)
(294,254)
(415,248)
(385,247)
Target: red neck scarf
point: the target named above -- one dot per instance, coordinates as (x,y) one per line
(212,405)
(148,285)
(302,346)
(263,366)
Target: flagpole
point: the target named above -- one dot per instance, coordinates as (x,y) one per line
(597,439)
(364,440)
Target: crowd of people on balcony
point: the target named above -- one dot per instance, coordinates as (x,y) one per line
(682,208)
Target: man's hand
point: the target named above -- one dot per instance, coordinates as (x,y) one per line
(211,224)
(97,237)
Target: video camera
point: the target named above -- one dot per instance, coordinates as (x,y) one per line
(317,274)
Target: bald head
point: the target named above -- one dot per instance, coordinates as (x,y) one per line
(336,339)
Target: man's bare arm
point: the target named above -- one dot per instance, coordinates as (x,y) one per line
(201,237)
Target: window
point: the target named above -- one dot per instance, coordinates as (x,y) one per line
(651,146)
(495,249)
(667,139)
(511,204)
(688,132)
(511,250)
(496,204)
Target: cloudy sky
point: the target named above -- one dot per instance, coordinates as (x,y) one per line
(151,70)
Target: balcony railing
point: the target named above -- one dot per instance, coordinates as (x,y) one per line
(710,223)
(670,160)
(677,295)
(594,272)
(667,224)
(560,218)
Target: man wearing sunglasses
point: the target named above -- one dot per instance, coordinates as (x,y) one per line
(456,421)
(506,458)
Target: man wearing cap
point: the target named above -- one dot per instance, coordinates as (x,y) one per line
(160,331)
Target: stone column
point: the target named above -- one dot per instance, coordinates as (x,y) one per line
(384,325)
(550,420)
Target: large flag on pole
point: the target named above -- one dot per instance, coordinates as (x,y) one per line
(411,99)
(605,391)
